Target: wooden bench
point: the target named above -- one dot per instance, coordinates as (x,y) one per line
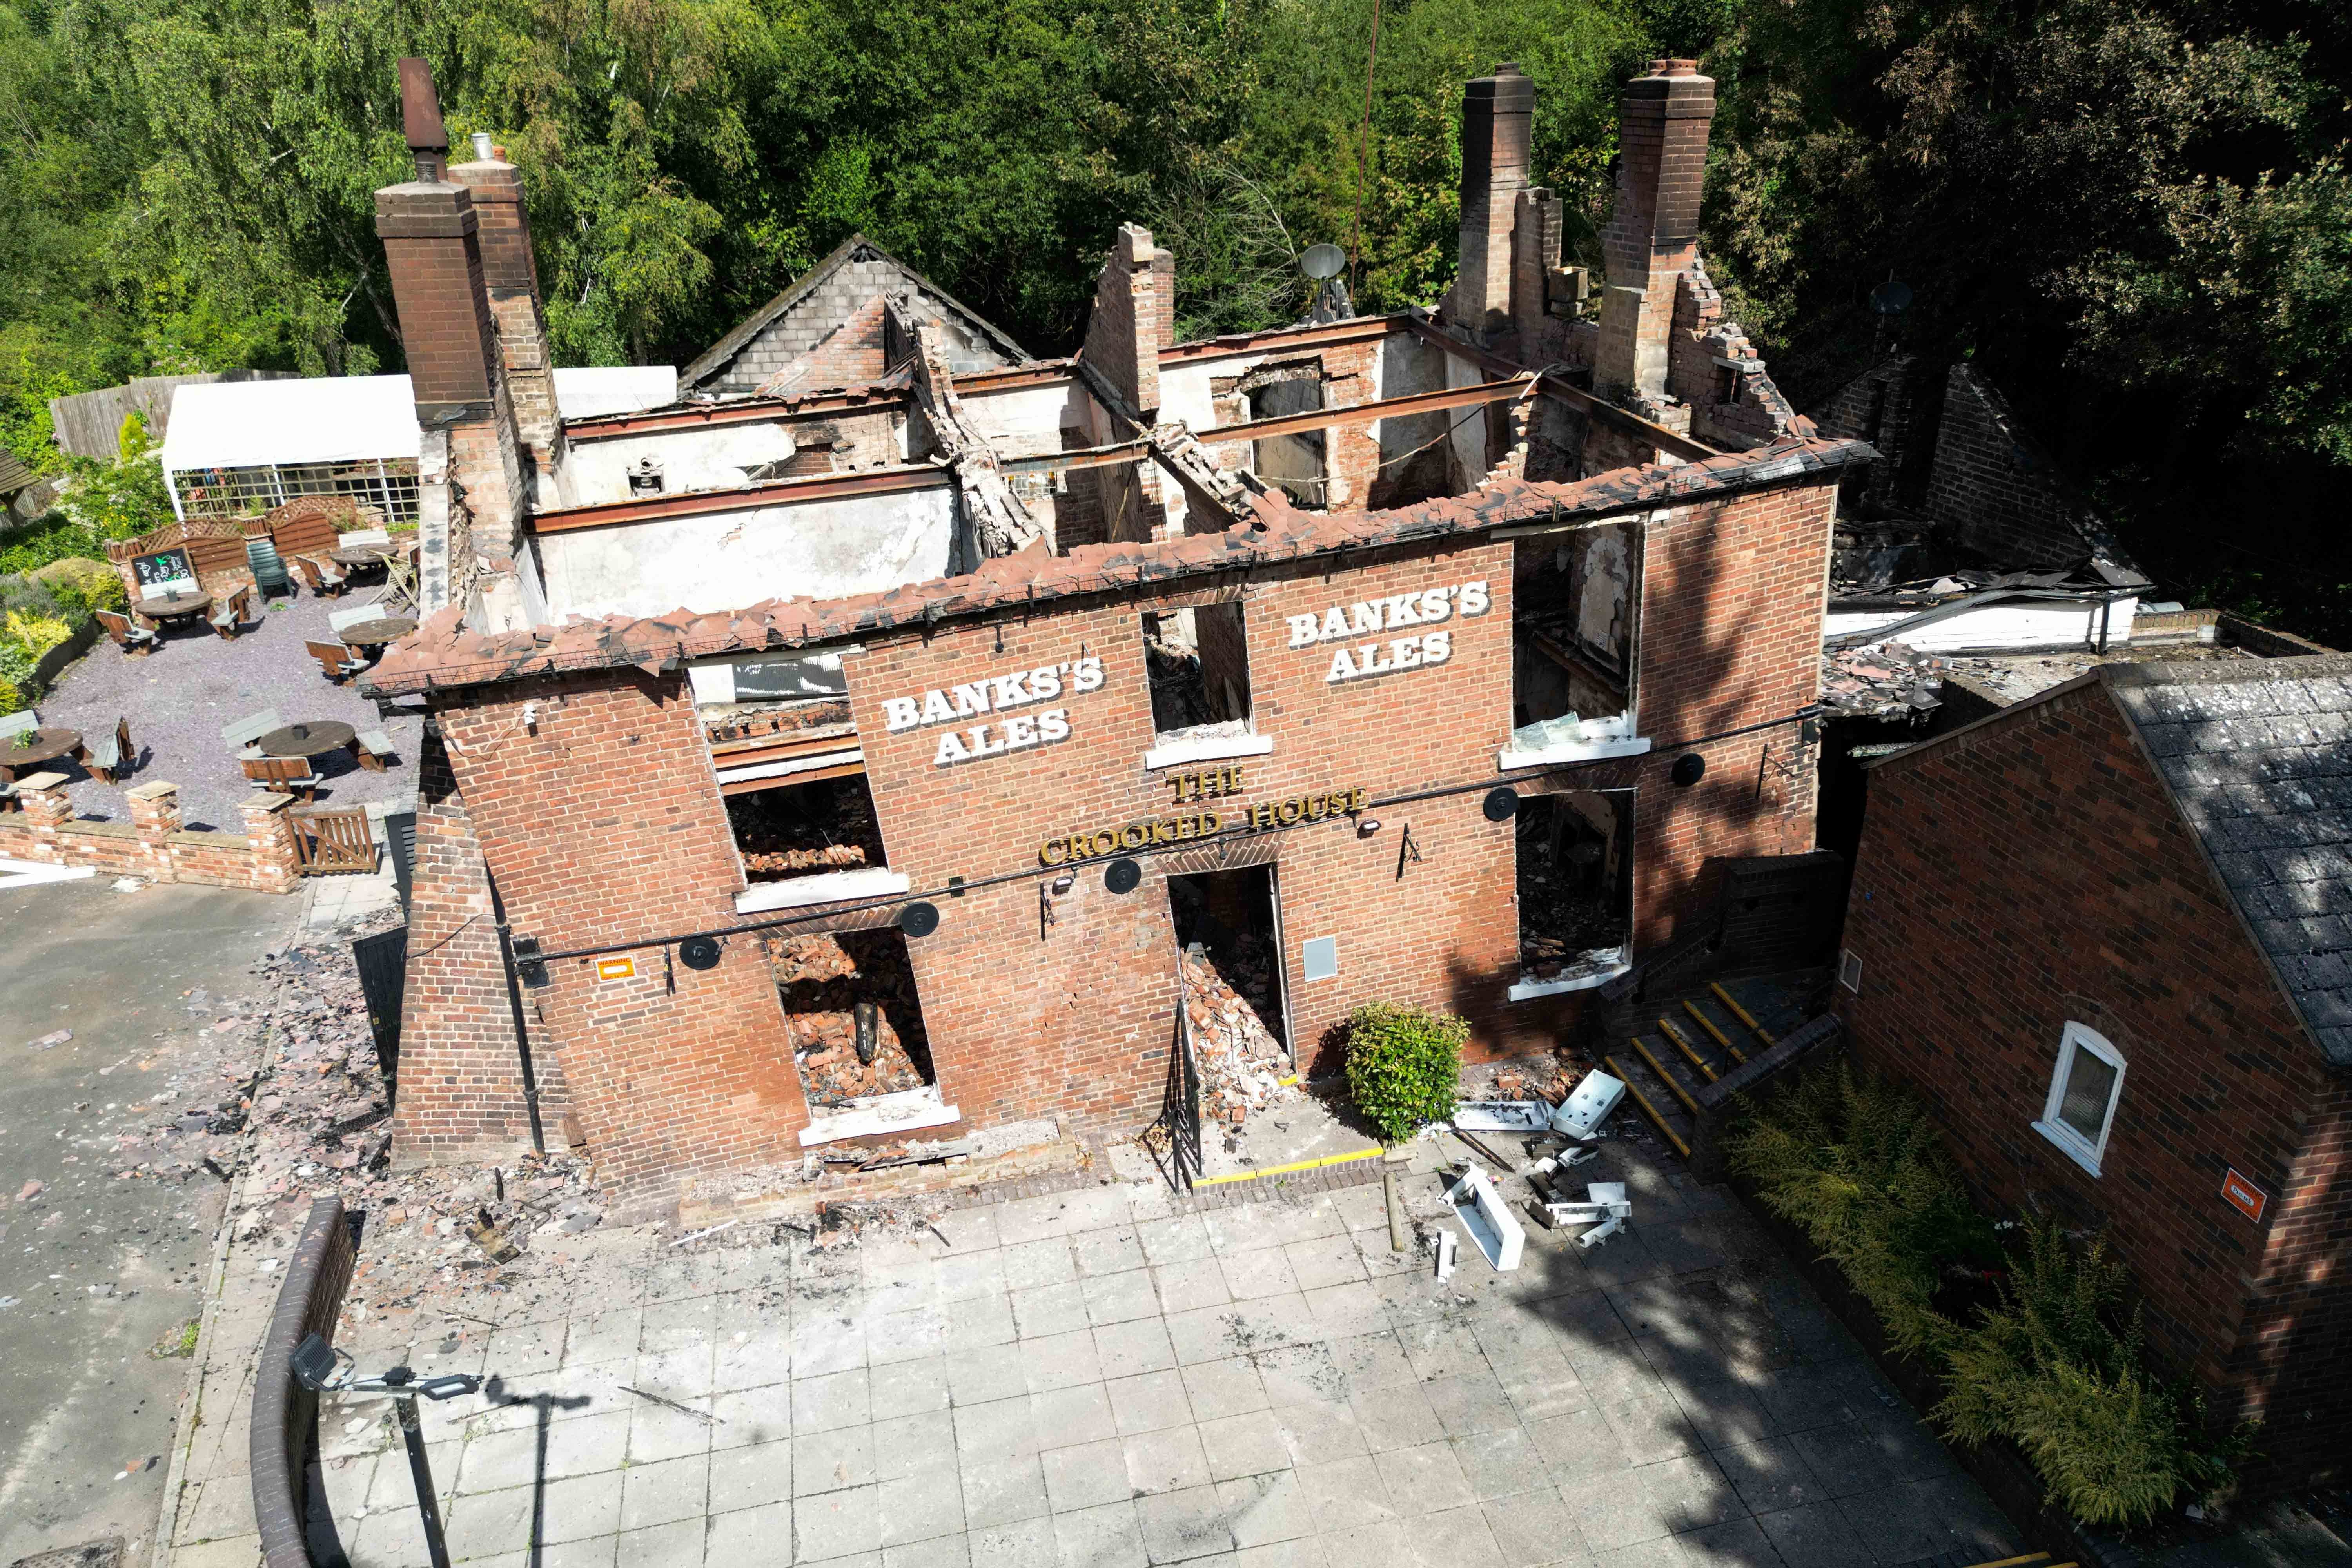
(230,615)
(281,775)
(131,639)
(336,662)
(374,747)
(110,756)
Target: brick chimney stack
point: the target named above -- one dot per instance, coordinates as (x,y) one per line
(1651,237)
(1496,111)
(433,250)
(511,271)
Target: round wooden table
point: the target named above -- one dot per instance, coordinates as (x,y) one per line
(367,554)
(47,746)
(314,740)
(174,606)
(376,633)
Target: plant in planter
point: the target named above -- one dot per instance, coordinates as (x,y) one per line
(1403,1066)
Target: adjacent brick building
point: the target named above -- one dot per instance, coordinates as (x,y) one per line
(1361,642)
(2104,930)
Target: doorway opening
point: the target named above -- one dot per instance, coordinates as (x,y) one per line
(1229,941)
(1575,883)
(853,1016)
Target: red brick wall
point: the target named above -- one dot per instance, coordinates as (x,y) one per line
(607,826)
(2035,872)
(602,822)
(1993,487)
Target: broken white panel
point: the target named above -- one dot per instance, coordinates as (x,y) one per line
(1488,1219)
(907,1110)
(1502,1116)
(1571,739)
(767,678)
(825,888)
(1606,1208)
(1445,1256)
(2000,625)
(1589,1106)
(1595,967)
(28,873)
(792,765)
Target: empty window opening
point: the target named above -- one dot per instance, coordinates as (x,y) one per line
(807,829)
(1293,464)
(1574,599)
(1199,664)
(1575,883)
(853,1016)
(1228,934)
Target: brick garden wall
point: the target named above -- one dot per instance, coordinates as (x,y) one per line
(2032,872)
(152,845)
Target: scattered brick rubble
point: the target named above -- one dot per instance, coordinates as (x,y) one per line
(1242,1064)
(826,825)
(1884,680)
(822,979)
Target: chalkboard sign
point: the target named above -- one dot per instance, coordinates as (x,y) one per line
(163,572)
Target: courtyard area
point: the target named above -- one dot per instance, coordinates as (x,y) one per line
(178,697)
(1100,1378)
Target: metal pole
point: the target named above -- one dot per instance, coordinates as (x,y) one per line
(420,1470)
(514,1005)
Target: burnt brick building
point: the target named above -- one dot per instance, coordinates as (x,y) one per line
(928,715)
(2104,930)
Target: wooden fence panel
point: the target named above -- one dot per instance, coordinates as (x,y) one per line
(329,842)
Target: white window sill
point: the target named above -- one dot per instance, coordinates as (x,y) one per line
(1583,979)
(795,765)
(1590,751)
(2070,1144)
(1175,749)
(909,1110)
(825,888)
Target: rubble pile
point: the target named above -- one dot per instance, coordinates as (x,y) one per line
(1566,914)
(1180,692)
(826,825)
(1883,680)
(752,720)
(821,980)
(1241,1063)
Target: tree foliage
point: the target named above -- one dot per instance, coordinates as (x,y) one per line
(2135,215)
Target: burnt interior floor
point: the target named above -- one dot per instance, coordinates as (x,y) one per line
(1570,879)
(802,830)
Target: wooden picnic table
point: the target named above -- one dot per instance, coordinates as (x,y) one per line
(312,740)
(376,633)
(173,606)
(44,746)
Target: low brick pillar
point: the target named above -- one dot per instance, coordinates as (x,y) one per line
(271,835)
(43,797)
(156,816)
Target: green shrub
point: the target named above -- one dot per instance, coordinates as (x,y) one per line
(2047,1370)
(81,586)
(1856,1165)
(1403,1066)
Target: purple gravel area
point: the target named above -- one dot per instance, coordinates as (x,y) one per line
(179,696)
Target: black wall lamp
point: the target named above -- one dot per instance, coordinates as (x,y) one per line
(1688,769)
(1124,875)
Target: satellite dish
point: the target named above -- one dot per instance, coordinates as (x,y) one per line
(1321,261)
(698,953)
(1890,297)
(919,920)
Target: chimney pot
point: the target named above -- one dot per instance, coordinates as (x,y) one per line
(1674,68)
(420,108)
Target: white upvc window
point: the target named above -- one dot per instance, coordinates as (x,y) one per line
(2084,1092)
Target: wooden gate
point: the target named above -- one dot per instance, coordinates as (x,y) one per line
(327,842)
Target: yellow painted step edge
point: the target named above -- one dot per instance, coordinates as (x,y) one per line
(1285,1170)
(1647,1108)
(1696,1059)
(1665,1077)
(1759,1030)
(1704,1022)
(2007,1562)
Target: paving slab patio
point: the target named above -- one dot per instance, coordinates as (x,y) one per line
(1101,1378)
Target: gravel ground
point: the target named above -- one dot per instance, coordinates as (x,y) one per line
(178,697)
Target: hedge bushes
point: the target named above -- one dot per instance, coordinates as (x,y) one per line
(41,610)
(1403,1066)
(1857,1166)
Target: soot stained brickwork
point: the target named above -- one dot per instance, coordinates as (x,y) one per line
(2032,870)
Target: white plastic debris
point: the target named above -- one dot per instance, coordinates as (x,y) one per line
(1445,1256)
(1502,1115)
(1589,1106)
(1489,1220)
(1606,1208)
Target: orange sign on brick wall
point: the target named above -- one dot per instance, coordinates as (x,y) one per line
(2244,1196)
(616,968)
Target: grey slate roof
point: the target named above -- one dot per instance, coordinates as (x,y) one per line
(2257,755)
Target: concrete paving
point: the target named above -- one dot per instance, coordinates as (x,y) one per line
(178,697)
(94,1272)
(1102,1379)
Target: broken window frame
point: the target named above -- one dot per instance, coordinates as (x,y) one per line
(1312,493)
(795,889)
(1597,966)
(1546,742)
(2077,1041)
(1183,746)
(894,1114)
